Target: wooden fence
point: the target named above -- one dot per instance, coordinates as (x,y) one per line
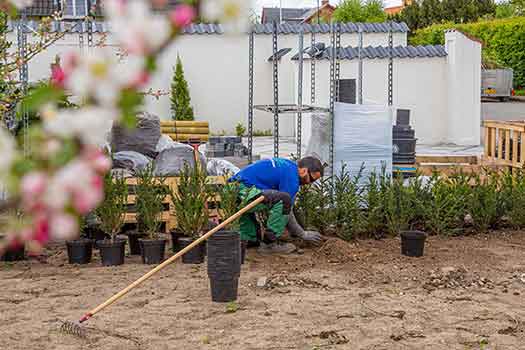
(505,143)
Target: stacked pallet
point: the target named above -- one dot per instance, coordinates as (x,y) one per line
(185,130)
(167,217)
(225,146)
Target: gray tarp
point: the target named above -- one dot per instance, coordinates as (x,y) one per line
(132,161)
(171,160)
(143,139)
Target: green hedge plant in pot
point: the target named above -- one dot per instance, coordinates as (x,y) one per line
(150,194)
(80,251)
(189,204)
(111,214)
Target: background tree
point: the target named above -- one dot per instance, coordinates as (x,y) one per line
(360,11)
(505,10)
(180,95)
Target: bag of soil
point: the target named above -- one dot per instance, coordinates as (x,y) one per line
(143,139)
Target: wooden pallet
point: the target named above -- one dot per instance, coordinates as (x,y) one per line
(505,143)
(167,217)
(184,131)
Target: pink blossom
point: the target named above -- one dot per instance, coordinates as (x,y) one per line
(98,160)
(58,76)
(182,15)
(87,199)
(140,80)
(33,184)
(41,230)
(63,226)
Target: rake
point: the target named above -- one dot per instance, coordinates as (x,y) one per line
(74,328)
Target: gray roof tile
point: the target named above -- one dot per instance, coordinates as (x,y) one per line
(285,28)
(381,52)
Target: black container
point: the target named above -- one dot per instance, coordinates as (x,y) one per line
(79,251)
(403,117)
(224,265)
(224,291)
(412,243)
(194,256)
(112,252)
(175,235)
(152,250)
(244,247)
(97,235)
(404,146)
(224,255)
(134,246)
(14,254)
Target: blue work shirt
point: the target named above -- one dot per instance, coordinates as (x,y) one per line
(271,174)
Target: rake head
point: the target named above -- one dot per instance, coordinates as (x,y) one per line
(72,328)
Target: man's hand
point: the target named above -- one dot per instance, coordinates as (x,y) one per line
(311,236)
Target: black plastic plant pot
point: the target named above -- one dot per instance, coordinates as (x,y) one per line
(224,291)
(152,250)
(112,252)
(195,255)
(14,254)
(413,243)
(244,247)
(97,235)
(224,255)
(175,235)
(134,246)
(79,251)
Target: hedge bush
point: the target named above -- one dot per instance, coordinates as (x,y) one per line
(503,41)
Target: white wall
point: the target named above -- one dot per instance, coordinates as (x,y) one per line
(419,85)
(464,88)
(216,68)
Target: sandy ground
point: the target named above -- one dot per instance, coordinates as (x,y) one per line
(465,293)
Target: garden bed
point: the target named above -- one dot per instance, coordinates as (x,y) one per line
(464,292)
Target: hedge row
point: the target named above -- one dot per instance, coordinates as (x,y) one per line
(503,41)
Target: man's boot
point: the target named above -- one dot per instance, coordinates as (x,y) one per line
(276,248)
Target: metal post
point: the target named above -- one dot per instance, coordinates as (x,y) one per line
(250,99)
(390,65)
(360,73)
(300,94)
(312,69)
(337,57)
(23,74)
(332,96)
(275,93)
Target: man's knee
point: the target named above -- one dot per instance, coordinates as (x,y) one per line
(273,197)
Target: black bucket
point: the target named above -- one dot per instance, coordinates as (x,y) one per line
(244,247)
(152,250)
(224,255)
(134,246)
(175,235)
(79,251)
(14,254)
(413,243)
(194,256)
(224,291)
(112,252)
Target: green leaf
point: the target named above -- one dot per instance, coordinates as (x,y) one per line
(40,96)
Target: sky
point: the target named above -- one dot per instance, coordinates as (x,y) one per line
(307,3)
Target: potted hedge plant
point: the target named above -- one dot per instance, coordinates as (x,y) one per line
(112,214)
(79,251)
(189,204)
(150,193)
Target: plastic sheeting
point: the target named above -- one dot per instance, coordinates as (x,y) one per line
(221,167)
(171,160)
(132,161)
(319,143)
(166,142)
(362,137)
(143,139)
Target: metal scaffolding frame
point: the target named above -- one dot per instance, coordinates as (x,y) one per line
(23,73)
(277,109)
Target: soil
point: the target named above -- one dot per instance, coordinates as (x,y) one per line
(465,293)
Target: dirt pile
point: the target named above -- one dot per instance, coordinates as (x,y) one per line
(337,251)
(455,277)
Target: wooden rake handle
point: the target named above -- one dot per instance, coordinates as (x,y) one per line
(170,260)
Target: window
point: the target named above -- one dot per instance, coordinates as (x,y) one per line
(75,8)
